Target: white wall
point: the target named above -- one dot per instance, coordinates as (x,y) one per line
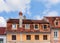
(3,37)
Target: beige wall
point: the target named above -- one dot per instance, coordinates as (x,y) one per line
(9,37)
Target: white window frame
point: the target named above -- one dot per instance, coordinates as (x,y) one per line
(56,37)
(26,26)
(36,28)
(13,26)
(55,33)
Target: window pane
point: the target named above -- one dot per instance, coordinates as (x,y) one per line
(13,37)
(56,23)
(13,26)
(45,26)
(1,40)
(44,37)
(55,33)
(36,37)
(28,37)
(27,26)
(36,26)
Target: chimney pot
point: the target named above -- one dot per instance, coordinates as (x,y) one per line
(20,13)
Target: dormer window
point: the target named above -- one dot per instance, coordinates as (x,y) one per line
(14,26)
(27,26)
(56,22)
(36,26)
(45,27)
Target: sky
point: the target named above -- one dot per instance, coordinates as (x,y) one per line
(32,9)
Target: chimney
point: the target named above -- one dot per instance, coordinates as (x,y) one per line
(24,17)
(20,19)
(20,13)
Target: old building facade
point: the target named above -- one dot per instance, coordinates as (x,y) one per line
(24,30)
(27,30)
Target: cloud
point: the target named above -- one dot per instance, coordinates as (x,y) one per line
(49,3)
(50,13)
(2,22)
(37,17)
(4,6)
(14,5)
(53,1)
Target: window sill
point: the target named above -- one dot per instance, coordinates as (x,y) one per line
(36,29)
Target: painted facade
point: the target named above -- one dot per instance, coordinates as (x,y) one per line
(26,27)
(24,30)
(55,29)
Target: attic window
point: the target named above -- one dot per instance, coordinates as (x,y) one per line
(45,27)
(56,22)
(14,26)
(36,26)
(27,26)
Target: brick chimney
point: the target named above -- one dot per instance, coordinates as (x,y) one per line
(20,19)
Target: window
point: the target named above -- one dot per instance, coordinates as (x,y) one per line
(27,26)
(28,37)
(13,37)
(36,37)
(44,37)
(56,22)
(1,40)
(36,26)
(55,34)
(13,26)
(45,26)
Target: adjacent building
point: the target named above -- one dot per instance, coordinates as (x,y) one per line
(2,35)
(55,29)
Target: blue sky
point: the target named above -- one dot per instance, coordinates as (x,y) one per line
(32,9)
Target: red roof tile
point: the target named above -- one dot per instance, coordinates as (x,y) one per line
(26,30)
(52,19)
(2,30)
(25,21)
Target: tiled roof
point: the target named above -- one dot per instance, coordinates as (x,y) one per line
(55,27)
(27,21)
(52,19)
(27,30)
(2,30)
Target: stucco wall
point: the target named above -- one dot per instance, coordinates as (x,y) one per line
(18,37)
(3,37)
(29,42)
(55,40)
